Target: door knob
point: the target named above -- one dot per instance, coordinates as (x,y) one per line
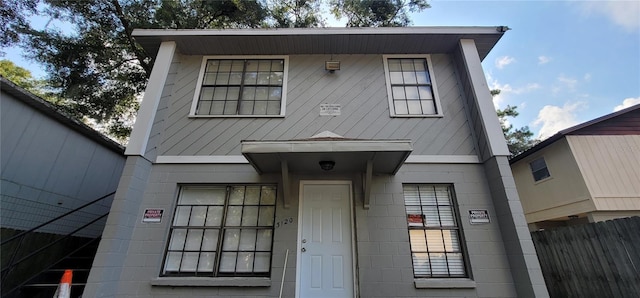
(303,249)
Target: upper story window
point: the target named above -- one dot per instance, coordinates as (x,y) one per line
(434,231)
(411,87)
(241,87)
(222,231)
(539,169)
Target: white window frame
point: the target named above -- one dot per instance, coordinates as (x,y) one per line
(533,175)
(203,66)
(434,87)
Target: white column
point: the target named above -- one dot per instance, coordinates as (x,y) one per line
(149,105)
(484,101)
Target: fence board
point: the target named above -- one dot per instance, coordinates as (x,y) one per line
(593,260)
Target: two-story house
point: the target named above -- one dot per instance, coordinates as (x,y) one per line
(586,173)
(358,162)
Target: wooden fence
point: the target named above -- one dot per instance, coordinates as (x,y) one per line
(592,260)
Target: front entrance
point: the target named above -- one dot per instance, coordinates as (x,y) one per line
(325,255)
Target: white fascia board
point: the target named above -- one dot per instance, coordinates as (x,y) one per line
(200,159)
(152,95)
(426,159)
(325,146)
(484,101)
(239,159)
(317,31)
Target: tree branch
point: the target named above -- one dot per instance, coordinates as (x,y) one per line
(140,55)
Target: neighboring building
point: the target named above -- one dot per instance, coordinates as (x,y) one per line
(586,173)
(357,162)
(52,164)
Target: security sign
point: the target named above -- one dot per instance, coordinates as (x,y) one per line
(479,216)
(152,215)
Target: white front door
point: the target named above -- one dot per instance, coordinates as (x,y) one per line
(325,262)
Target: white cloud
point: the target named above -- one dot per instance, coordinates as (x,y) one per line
(504,61)
(528,88)
(622,13)
(543,59)
(564,82)
(553,118)
(506,90)
(587,77)
(627,102)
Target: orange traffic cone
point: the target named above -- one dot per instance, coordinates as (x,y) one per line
(64,288)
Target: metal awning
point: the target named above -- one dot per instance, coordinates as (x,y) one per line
(349,155)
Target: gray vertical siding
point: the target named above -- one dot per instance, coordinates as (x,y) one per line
(49,169)
(359,87)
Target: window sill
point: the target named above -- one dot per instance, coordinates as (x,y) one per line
(236,116)
(543,180)
(211,282)
(445,283)
(418,116)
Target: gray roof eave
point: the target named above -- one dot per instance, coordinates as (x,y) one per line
(292,41)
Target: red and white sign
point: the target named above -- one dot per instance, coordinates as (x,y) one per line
(415,219)
(152,215)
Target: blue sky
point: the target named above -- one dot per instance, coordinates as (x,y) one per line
(563,62)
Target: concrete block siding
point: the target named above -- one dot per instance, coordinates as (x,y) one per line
(384,260)
(383,252)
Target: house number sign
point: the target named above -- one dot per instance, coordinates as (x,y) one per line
(479,216)
(283,222)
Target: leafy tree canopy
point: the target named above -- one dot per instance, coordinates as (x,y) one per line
(18,75)
(13,16)
(101,72)
(518,139)
(296,13)
(376,13)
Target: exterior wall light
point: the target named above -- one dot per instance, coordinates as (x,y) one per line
(332,66)
(327,165)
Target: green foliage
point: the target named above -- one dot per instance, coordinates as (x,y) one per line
(518,139)
(24,79)
(377,13)
(296,13)
(13,17)
(18,75)
(207,14)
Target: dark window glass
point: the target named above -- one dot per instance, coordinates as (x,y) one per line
(539,169)
(222,231)
(411,87)
(241,87)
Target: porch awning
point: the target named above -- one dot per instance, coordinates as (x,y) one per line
(349,155)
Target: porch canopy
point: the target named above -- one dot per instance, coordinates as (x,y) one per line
(349,155)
